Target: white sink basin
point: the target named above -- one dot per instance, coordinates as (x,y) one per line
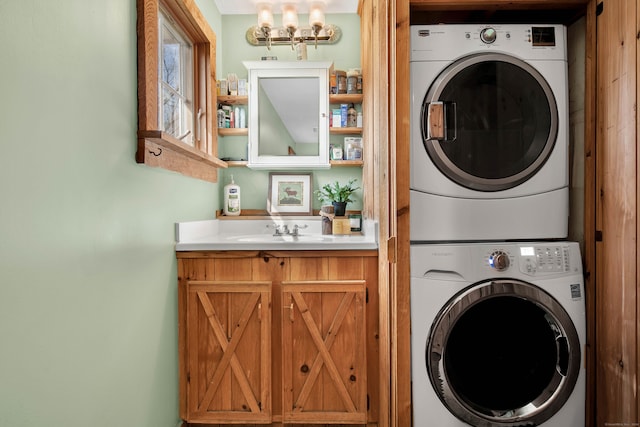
(244,234)
(266,238)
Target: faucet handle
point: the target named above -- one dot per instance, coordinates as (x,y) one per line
(277,231)
(297,227)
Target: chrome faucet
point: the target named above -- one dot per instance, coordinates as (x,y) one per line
(280,230)
(297,228)
(283,230)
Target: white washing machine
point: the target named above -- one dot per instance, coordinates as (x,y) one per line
(489,137)
(498,334)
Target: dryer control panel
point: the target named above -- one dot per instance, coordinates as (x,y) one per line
(453,41)
(537,36)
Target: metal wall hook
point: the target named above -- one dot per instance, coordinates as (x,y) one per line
(158,153)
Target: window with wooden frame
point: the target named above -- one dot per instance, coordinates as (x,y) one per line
(176,82)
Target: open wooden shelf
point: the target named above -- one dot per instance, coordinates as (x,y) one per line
(233,131)
(346,163)
(237,163)
(334,163)
(345,131)
(233,100)
(346,98)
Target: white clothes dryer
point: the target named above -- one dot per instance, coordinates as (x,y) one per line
(498,333)
(489,137)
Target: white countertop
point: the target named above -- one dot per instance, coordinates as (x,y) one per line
(257,234)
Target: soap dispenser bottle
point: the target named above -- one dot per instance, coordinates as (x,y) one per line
(231,199)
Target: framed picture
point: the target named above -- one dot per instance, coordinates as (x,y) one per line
(290,194)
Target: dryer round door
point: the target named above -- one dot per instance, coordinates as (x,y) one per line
(503,353)
(489,121)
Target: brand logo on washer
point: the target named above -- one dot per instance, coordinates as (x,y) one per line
(424,33)
(442,253)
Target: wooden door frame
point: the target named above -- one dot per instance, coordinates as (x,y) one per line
(377,47)
(613,273)
(399,154)
(590,198)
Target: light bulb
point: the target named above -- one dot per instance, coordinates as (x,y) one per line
(289,16)
(316,15)
(265,16)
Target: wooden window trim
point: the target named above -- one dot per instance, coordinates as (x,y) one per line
(155,147)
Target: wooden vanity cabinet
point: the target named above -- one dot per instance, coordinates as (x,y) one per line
(286,337)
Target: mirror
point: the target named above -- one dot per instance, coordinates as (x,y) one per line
(288,120)
(288,125)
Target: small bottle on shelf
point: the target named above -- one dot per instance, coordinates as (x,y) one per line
(221,117)
(352,116)
(243,122)
(352,80)
(236,116)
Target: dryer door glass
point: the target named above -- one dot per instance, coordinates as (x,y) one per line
(504,118)
(503,351)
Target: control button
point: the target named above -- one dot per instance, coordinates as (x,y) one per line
(530,267)
(488,35)
(499,260)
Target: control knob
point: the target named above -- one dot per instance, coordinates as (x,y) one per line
(499,260)
(488,35)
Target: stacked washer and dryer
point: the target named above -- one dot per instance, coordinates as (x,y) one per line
(497,293)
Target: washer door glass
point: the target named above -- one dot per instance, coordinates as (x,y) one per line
(489,121)
(503,352)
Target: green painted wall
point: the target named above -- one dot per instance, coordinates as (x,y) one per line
(234,49)
(88,317)
(88,333)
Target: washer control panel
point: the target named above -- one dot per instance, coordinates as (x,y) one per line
(542,259)
(538,259)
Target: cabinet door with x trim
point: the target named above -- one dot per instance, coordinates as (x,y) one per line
(229,351)
(324,352)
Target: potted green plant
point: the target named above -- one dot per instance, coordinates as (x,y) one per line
(339,195)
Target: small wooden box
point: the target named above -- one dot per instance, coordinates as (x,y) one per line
(341,225)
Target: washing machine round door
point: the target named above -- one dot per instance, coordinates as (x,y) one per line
(489,121)
(504,353)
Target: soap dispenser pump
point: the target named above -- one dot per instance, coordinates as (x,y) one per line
(231,199)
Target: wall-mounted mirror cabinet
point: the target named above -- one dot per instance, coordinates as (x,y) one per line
(288,114)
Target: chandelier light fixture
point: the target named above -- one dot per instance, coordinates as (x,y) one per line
(318,31)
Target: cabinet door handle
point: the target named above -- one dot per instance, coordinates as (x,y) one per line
(260,312)
(290,307)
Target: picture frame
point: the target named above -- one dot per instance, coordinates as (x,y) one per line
(290,194)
